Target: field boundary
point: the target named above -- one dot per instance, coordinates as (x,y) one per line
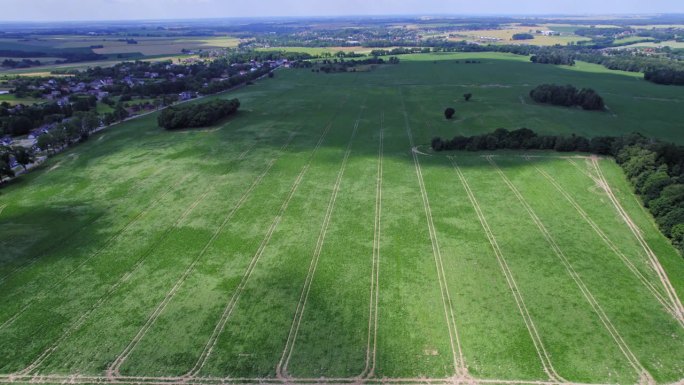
(131,380)
(544,357)
(649,286)
(634,228)
(644,375)
(282,367)
(460,367)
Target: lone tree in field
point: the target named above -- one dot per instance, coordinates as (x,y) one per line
(449,113)
(467,96)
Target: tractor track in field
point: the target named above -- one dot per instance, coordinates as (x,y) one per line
(644,376)
(37,256)
(454,340)
(653,258)
(237,294)
(371,347)
(111,239)
(543,354)
(123,279)
(230,305)
(282,368)
(113,370)
(649,286)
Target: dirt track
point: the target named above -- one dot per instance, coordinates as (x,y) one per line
(629,355)
(282,368)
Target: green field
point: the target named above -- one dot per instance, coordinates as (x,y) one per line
(315,238)
(14,100)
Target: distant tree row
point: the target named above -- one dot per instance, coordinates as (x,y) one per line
(556,57)
(23,63)
(668,76)
(197,115)
(523,36)
(655,168)
(567,96)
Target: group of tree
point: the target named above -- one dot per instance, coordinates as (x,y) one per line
(655,168)
(342,65)
(523,36)
(21,120)
(23,63)
(197,115)
(567,96)
(18,154)
(76,129)
(554,57)
(668,76)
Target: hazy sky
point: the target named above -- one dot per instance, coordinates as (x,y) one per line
(62,10)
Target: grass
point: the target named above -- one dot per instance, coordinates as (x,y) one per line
(235,231)
(14,100)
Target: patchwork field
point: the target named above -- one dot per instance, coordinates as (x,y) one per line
(147,46)
(315,238)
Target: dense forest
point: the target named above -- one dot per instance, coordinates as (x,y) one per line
(197,115)
(567,96)
(655,168)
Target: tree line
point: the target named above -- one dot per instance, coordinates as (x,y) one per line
(197,115)
(567,96)
(654,168)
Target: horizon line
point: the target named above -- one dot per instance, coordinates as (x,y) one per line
(386,16)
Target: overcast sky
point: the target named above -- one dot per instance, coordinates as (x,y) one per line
(64,10)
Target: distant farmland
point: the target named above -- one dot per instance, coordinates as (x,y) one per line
(315,238)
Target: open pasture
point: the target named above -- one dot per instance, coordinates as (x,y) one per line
(315,238)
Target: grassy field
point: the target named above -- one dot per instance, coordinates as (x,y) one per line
(315,236)
(506,35)
(13,100)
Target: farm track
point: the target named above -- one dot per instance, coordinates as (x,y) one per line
(111,239)
(123,279)
(510,280)
(653,258)
(282,368)
(457,353)
(644,375)
(669,307)
(230,306)
(371,348)
(37,256)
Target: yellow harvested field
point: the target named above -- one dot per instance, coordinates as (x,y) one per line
(505,36)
